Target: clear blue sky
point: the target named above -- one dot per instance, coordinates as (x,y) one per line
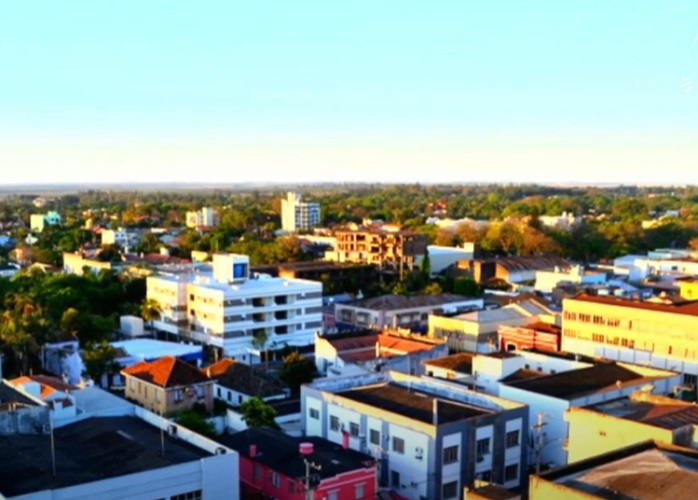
(535,90)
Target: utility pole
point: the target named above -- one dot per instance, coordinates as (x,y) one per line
(538,443)
(309,465)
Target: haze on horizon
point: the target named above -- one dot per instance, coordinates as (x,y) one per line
(215,91)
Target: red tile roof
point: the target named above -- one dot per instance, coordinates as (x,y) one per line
(166,372)
(218,368)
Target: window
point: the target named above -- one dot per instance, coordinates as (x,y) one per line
(394,479)
(483,446)
(333,495)
(512,439)
(511,473)
(359,491)
(178,395)
(314,414)
(374,436)
(190,495)
(450,454)
(334,423)
(275,479)
(230,396)
(199,391)
(485,476)
(398,445)
(257,472)
(353,429)
(218,392)
(450,490)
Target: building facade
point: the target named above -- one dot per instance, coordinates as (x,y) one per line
(431,438)
(298,215)
(658,334)
(206,217)
(390,251)
(227,308)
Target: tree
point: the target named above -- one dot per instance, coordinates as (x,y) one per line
(69,323)
(196,422)
(296,371)
(256,413)
(99,360)
(150,311)
(259,341)
(433,288)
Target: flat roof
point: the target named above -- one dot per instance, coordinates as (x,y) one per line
(150,349)
(461,362)
(684,307)
(667,413)
(575,383)
(90,450)
(397,302)
(414,404)
(263,283)
(646,471)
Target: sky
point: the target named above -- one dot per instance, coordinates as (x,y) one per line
(379,91)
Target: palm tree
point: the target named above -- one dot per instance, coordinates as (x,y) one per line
(99,360)
(150,311)
(259,342)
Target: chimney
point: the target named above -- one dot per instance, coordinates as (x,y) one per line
(253,450)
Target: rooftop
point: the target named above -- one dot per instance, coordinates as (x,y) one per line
(413,404)
(9,394)
(461,362)
(166,372)
(280,452)
(150,349)
(645,471)
(576,383)
(397,302)
(87,451)
(258,283)
(250,381)
(529,262)
(686,307)
(314,265)
(663,412)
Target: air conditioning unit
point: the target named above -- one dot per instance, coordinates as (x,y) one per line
(418,453)
(221,451)
(172,430)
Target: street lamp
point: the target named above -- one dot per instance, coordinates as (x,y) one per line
(306,449)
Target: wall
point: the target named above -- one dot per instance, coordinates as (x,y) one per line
(24,420)
(593,433)
(541,489)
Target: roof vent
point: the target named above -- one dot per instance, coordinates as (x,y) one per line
(305,448)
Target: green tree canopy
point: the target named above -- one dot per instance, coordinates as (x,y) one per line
(256,413)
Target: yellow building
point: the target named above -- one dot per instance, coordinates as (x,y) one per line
(645,471)
(660,333)
(688,289)
(615,424)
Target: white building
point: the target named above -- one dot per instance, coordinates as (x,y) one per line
(565,221)
(37,222)
(206,217)
(547,280)
(431,437)
(548,397)
(114,458)
(226,308)
(441,257)
(121,237)
(298,215)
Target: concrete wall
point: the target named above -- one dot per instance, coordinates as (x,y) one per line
(24,420)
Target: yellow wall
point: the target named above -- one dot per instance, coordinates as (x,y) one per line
(540,489)
(689,290)
(592,433)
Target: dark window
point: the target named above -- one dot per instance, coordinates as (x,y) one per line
(511,472)
(450,455)
(394,479)
(375,436)
(398,445)
(314,414)
(354,429)
(450,490)
(483,446)
(334,423)
(512,439)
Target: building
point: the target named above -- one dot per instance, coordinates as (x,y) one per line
(226,308)
(298,215)
(167,385)
(646,471)
(77,263)
(37,222)
(7,270)
(441,257)
(53,391)
(512,269)
(400,311)
(206,217)
(340,275)
(536,335)
(548,279)
(274,464)
(432,438)
(121,237)
(566,221)
(476,331)
(113,458)
(617,423)
(21,412)
(688,289)
(345,354)
(394,251)
(660,334)
(549,396)
(236,383)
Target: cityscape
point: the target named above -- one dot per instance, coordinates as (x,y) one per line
(363,251)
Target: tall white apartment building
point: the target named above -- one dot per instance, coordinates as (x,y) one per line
(297,215)
(207,216)
(227,308)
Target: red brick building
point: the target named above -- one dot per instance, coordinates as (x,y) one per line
(272,466)
(539,335)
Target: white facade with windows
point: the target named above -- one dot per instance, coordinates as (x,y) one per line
(226,308)
(423,432)
(120,237)
(298,215)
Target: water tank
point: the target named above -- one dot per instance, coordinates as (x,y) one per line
(306,448)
